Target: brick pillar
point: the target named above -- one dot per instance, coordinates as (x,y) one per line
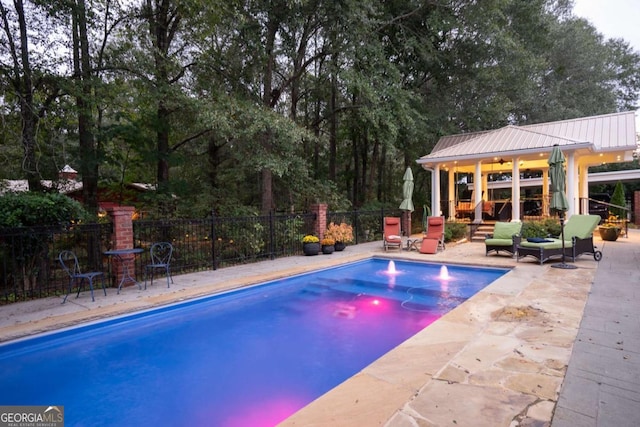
(636,207)
(320,225)
(122,237)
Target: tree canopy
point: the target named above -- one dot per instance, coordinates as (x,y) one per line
(255,105)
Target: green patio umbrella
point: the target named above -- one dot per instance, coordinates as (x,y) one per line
(407,191)
(559,202)
(407,201)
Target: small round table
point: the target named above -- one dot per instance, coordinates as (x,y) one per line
(126,263)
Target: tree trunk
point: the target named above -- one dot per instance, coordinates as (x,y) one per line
(267,191)
(163,23)
(268,98)
(84,102)
(22,82)
(333,129)
(162,136)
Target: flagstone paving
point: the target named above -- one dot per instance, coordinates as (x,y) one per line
(499,359)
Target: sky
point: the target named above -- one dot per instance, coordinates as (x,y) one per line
(613,19)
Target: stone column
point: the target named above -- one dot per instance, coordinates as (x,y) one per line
(636,207)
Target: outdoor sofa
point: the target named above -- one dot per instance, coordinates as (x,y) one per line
(578,240)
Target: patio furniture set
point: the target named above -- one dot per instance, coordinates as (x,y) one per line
(578,240)
(431,242)
(160,254)
(506,237)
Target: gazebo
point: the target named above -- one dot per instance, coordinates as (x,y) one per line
(477,162)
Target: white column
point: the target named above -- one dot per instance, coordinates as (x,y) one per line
(583,176)
(545,192)
(572,184)
(515,190)
(435,191)
(451,194)
(477,192)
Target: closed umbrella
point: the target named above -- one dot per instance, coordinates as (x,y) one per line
(407,202)
(559,202)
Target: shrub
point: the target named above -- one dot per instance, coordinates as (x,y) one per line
(340,233)
(454,231)
(544,228)
(30,209)
(533,229)
(552,225)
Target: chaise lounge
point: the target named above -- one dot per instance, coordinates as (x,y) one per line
(434,236)
(578,240)
(505,237)
(392,235)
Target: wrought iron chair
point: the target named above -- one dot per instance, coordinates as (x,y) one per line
(161,253)
(69,262)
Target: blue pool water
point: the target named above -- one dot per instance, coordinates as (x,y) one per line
(245,358)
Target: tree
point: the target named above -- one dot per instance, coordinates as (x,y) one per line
(618,199)
(23,85)
(258,105)
(84,96)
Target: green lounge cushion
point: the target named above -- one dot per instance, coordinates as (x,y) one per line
(553,244)
(498,242)
(580,226)
(505,230)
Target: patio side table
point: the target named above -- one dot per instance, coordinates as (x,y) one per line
(126,263)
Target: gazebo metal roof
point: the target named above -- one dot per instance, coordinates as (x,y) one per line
(609,133)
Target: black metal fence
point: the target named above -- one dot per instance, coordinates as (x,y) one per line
(215,242)
(29,267)
(367,225)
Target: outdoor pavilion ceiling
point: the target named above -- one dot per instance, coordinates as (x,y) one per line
(593,141)
(500,163)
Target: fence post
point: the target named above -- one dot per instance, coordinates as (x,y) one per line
(122,237)
(272,235)
(213,239)
(320,225)
(356,226)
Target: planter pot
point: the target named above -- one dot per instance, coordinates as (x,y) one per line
(609,233)
(339,246)
(328,249)
(311,248)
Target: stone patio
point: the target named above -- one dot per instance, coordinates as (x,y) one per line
(499,359)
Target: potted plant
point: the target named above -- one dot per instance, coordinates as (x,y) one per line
(310,245)
(328,245)
(609,231)
(341,233)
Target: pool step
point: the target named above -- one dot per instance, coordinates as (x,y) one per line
(416,295)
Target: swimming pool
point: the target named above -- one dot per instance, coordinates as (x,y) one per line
(249,357)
